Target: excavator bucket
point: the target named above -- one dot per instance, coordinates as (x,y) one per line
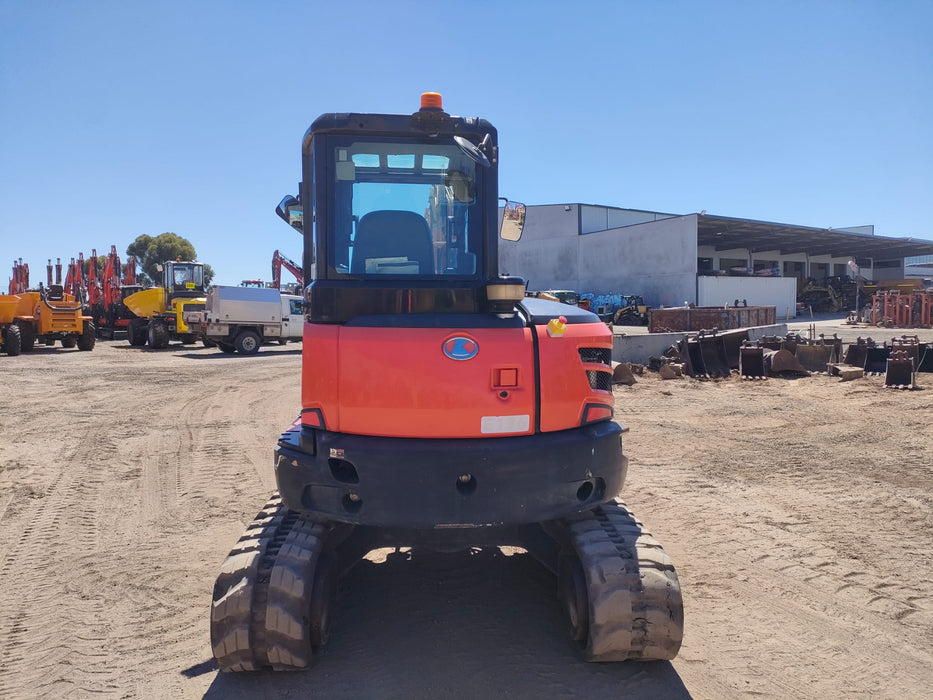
(899,373)
(622,373)
(857,352)
(771,342)
(714,355)
(752,362)
(689,350)
(790,343)
(815,357)
(673,354)
(732,342)
(876,359)
(909,344)
(783,362)
(836,344)
(925,351)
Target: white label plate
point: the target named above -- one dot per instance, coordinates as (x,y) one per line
(493,425)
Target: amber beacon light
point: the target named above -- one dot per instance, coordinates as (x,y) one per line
(431,100)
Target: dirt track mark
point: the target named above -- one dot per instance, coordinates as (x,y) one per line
(39,622)
(779,522)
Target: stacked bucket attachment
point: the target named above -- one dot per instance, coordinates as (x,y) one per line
(901,367)
(876,359)
(711,354)
(899,373)
(752,361)
(909,344)
(771,355)
(867,355)
(898,362)
(925,363)
(857,352)
(732,342)
(817,355)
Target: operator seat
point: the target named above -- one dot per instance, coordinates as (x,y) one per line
(393,234)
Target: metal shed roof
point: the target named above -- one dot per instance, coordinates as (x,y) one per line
(723,233)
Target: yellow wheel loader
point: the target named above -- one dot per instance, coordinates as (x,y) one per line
(159,310)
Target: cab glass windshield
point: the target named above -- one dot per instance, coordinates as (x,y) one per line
(404,209)
(187,275)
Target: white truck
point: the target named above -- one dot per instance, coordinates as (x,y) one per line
(241,319)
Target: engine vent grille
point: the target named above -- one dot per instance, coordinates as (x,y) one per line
(600,381)
(602,356)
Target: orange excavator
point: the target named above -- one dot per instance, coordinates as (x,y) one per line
(440,407)
(106,295)
(278,262)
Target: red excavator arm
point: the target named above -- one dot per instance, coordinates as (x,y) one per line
(129,271)
(94,291)
(278,262)
(111,278)
(20,280)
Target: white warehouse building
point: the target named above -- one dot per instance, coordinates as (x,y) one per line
(671,259)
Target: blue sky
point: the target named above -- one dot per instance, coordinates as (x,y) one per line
(122,118)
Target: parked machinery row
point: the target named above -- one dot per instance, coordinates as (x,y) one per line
(51,314)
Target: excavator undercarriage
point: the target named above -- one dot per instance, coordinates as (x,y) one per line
(271,606)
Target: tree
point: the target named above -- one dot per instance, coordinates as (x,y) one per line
(150,252)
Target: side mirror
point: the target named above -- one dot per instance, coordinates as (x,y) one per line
(473,151)
(513,220)
(291,212)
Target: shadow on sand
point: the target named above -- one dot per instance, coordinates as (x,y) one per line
(478,624)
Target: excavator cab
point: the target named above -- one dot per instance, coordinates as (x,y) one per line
(405,213)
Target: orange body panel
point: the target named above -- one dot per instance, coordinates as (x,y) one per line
(565,393)
(319,368)
(65,316)
(28,301)
(398,382)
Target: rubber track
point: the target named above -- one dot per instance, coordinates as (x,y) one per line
(635,606)
(259,613)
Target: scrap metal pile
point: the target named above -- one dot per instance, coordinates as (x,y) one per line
(714,355)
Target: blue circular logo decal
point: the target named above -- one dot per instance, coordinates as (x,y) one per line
(460,348)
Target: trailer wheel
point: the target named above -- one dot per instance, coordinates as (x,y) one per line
(88,337)
(12,340)
(247,342)
(27,333)
(157,335)
(136,332)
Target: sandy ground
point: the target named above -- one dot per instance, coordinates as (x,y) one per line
(799,514)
